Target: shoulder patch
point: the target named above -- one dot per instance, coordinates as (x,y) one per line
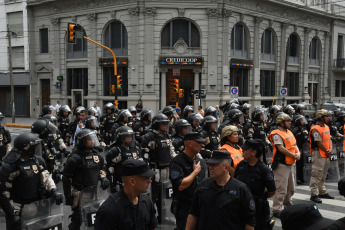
(251,205)
(270,176)
(174,174)
(316,134)
(276,137)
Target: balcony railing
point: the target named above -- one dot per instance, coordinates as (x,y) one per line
(339,62)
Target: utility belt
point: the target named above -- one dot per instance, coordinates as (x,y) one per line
(158,165)
(178,204)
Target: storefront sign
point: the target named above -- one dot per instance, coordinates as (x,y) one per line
(180,61)
(241,63)
(110,61)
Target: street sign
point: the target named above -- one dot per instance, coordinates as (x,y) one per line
(283,92)
(234,91)
(58,85)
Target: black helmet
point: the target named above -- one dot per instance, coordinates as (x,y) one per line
(234,106)
(235,101)
(274,108)
(91,123)
(79,110)
(48,109)
(122,114)
(51,118)
(256,114)
(110,106)
(86,139)
(168,110)
(340,116)
(132,110)
(289,110)
(210,111)
(159,119)
(245,107)
(27,143)
(121,134)
(179,124)
(297,120)
(91,111)
(43,128)
(234,115)
(186,110)
(299,108)
(207,121)
(63,109)
(145,114)
(195,117)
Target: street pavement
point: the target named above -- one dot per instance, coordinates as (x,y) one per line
(330,209)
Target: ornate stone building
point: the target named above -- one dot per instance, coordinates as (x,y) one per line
(211,45)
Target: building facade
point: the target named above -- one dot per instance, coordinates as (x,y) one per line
(14,23)
(257,46)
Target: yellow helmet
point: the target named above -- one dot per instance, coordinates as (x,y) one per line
(228,130)
(322,112)
(282,117)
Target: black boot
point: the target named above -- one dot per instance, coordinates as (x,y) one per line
(316,199)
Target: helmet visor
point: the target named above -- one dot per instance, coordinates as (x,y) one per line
(52,128)
(93,123)
(90,140)
(198,117)
(127,138)
(66,108)
(126,113)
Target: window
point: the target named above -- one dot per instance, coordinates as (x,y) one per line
(293,46)
(177,29)
(15,22)
(44,40)
(314,52)
(77,78)
(292,83)
(109,79)
(340,52)
(239,77)
(79,49)
(18,57)
(267,83)
(343,88)
(116,38)
(267,46)
(238,42)
(337,88)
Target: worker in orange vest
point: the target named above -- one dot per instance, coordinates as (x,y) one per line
(285,154)
(229,140)
(321,149)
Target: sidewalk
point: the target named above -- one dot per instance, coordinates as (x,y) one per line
(20,122)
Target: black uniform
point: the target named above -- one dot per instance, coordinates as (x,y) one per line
(180,167)
(212,143)
(63,123)
(114,128)
(106,123)
(72,127)
(118,213)
(223,207)
(178,143)
(140,128)
(301,135)
(5,140)
(258,178)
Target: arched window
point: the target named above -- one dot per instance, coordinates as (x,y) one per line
(179,28)
(315,52)
(293,49)
(79,49)
(116,38)
(267,46)
(238,42)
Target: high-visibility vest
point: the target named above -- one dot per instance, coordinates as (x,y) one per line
(236,154)
(289,143)
(325,136)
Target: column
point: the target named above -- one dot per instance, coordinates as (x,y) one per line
(148,51)
(304,87)
(56,60)
(212,50)
(225,57)
(326,64)
(196,87)
(95,81)
(256,75)
(133,70)
(163,89)
(280,81)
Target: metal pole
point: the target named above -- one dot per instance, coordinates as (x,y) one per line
(11,73)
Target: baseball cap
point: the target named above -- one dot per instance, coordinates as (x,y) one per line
(133,167)
(304,216)
(194,136)
(218,156)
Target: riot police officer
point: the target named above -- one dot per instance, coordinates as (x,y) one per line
(52,118)
(141,127)
(107,121)
(92,124)
(234,118)
(209,133)
(47,109)
(245,111)
(169,112)
(273,110)
(63,121)
(122,120)
(194,119)
(133,119)
(260,180)
(5,138)
(21,180)
(124,148)
(181,128)
(83,168)
(158,150)
(210,111)
(289,110)
(187,111)
(340,126)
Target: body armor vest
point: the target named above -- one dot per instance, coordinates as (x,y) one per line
(161,153)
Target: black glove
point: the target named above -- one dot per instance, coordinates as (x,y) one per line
(13,221)
(67,153)
(57,196)
(105,183)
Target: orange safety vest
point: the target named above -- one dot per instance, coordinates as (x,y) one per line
(236,154)
(325,136)
(289,143)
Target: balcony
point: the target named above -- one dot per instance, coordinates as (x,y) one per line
(339,64)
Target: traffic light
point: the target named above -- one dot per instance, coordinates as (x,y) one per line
(112,89)
(119,81)
(176,85)
(181,93)
(71,32)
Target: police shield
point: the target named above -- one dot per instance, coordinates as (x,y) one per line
(307,162)
(341,158)
(333,171)
(42,214)
(90,199)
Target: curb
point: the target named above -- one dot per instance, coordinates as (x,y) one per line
(18,126)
